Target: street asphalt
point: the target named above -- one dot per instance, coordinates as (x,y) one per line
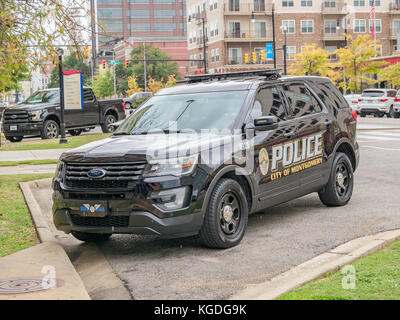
(276,240)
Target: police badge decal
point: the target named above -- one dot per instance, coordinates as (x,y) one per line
(263,160)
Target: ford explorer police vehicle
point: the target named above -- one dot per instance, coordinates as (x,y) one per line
(198,158)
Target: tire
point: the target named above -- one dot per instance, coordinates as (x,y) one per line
(14,138)
(381,115)
(75,132)
(128,105)
(106,127)
(362,115)
(51,130)
(226,218)
(396,115)
(339,189)
(391,112)
(91,237)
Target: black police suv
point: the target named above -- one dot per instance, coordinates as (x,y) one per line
(198,158)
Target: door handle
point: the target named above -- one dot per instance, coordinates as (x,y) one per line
(290,134)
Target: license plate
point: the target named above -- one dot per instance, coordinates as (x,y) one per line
(93,209)
(13,128)
(371,101)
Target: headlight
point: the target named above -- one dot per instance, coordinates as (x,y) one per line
(35,115)
(170,199)
(59,168)
(174,166)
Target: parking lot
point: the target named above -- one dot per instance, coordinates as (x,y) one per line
(276,239)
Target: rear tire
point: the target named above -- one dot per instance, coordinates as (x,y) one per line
(14,139)
(51,130)
(91,237)
(226,218)
(396,115)
(107,127)
(75,132)
(339,189)
(362,115)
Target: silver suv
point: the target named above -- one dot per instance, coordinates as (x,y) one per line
(377,102)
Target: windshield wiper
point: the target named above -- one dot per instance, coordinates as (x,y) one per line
(121,134)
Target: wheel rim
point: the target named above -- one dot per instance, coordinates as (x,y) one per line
(229,213)
(51,130)
(110,121)
(343,177)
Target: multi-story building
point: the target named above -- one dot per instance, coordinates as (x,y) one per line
(161,23)
(234,28)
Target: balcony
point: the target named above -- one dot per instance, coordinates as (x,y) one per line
(394,7)
(246,35)
(334,35)
(332,7)
(258,7)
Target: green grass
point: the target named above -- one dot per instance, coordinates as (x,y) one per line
(73,142)
(29,162)
(377,277)
(16,227)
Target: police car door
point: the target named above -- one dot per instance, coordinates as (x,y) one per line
(312,120)
(272,184)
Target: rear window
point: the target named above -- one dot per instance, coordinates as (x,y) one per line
(373,94)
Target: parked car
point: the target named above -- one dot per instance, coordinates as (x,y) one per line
(299,134)
(136,99)
(352,99)
(396,106)
(377,102)
(40,115)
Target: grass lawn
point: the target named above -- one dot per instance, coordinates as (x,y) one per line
(29,162)
(377,278)
(73,142)
(16,227)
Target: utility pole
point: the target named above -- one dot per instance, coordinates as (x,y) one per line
(115,87)
(204,47)
(92,25)
(145,66)
(273,33)
(63,139)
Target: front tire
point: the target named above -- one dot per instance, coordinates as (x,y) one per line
(226,218)
(339,189)
(107,126)
(51,130)
(14,138)
(91,237)
(396,115)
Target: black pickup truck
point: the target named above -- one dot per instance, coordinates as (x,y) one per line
(39,115)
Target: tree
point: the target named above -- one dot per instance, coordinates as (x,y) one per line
(71,62)
(103,84)
(390,74)
(311,61)
(153,85)
(30,30)
(355,61)
(122,76)
(133,86)
(156,70)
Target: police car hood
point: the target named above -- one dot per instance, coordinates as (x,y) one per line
(146,147)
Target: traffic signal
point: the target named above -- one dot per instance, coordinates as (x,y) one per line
(127,63)
(104,64)
(246,58)
(87,52)
(262,55)
(254,56)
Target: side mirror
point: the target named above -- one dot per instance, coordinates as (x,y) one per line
(265,123)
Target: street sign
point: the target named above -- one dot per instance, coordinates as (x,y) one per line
(73,89)
(270,51)
(113,62)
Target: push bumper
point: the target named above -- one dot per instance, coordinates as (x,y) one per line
(23,129)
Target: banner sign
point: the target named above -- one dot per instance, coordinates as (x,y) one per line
(73,89)
(270,51)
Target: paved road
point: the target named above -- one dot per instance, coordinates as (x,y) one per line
(276,240)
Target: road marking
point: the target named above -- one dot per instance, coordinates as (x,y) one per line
(371,136)
(380,148)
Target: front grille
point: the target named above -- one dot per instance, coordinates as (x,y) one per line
(110,221)
(118,175)
(16,116)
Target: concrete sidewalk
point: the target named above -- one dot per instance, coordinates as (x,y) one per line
(31,154)
(28,169)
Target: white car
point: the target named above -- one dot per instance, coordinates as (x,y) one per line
(352,100)
(377,102)
(396,106)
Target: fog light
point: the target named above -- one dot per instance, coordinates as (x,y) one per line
(170,199)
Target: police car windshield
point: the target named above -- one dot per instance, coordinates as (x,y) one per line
(52,96)
(217,110)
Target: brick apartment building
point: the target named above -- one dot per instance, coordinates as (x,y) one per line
(126,23)
(234,28)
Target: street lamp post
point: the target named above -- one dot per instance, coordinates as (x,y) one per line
(204,42)
(63,139)
(285,30)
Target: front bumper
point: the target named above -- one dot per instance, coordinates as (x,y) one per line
(23,129)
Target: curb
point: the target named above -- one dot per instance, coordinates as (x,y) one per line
(315,268)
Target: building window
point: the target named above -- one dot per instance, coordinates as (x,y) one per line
(233,5)
(215,4)
(306,3)
(139,13)
(331,50)
(330,3)
(377,3)
(287,3)
(235,55)
(140,27)
(160,13)
(359,26)
(139,1)
(112,26)
(260,29)
(234,29)
(107,2)
(378,25)
(330,26)
(396,27)
(164,27)
(290,52)
(379,49)
(217,55)
(359,3)
(259,5)
(212,55)
(290,26)
(109,13)
(307,26)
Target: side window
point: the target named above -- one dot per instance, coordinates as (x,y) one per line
(391,93)
(269,103)
(87,95)
(301,100)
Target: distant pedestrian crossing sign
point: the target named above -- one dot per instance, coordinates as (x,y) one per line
(270,51)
